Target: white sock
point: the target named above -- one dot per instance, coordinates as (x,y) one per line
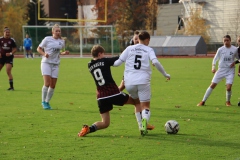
(44,93)
(139,119)
(207,94)
(49,94)
(146,114)
(228,95)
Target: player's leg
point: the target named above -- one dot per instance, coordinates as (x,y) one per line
(219,75)
(144,94)
(53,82)
(1,63)
(46,72)
(97,125)
(9,66)
(229,82)
(31,54)
(26,49)
(228,94)
(132,90)
(121,86)
(105,106)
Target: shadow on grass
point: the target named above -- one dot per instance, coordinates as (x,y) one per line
(178,138)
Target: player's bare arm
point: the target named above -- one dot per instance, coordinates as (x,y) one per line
(40,50)
(11,53)
(65,53)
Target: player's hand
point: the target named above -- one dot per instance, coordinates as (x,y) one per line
(67,52)
(232,65)
(46,55)
(213,70)
(8,54)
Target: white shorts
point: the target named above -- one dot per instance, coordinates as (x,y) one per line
(50,69)
(141,91)
(221,73)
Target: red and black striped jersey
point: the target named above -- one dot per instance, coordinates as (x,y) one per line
(101,73)
(6,45)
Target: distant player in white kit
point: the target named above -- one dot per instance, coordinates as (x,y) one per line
(50,48)
(137,73)
(226,56)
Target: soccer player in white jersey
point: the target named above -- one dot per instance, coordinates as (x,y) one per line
(225,56)
(137,74)
(50,48)
(138,109)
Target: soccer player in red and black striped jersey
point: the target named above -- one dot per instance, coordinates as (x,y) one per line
(108,93)
(7,49)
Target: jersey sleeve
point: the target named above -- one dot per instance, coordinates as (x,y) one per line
(43,43)
(30,41)
(216,57)
(14,45)
(152,55)
(124,55)
(110,61)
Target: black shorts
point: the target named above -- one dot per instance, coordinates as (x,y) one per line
(106,104)
(6,59)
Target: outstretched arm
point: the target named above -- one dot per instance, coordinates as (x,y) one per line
(160,68)
(117,63)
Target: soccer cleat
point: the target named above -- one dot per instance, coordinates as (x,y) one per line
(45,105)
(144,127)
(228,103)
(48,105)
(10,89)
(85,130)
(150,127)
(202,103)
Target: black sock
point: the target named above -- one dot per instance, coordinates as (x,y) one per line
(93,128)
(11,83)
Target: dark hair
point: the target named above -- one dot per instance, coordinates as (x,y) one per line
(136,32)
(97,49)
(6,29)
(227,36)
(144,35)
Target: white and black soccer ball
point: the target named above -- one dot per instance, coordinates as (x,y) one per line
(172,127)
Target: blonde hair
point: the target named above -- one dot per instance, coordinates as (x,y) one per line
(55,26)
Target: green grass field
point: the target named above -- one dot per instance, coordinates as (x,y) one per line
(28,132)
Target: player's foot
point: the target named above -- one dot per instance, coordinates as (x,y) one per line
(85,130)
(10,89)
(45,106)
(228,103)
(48,105)
(150,127)
(202,103)
(144,127)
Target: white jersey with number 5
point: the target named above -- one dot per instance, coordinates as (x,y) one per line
(137,64)
(52,47)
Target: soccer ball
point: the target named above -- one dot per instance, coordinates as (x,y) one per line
(172,127)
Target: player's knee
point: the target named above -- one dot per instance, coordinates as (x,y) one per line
(106,124)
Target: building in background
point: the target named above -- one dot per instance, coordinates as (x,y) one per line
(223,17)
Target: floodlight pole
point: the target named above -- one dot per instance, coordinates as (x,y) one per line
(35,6)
